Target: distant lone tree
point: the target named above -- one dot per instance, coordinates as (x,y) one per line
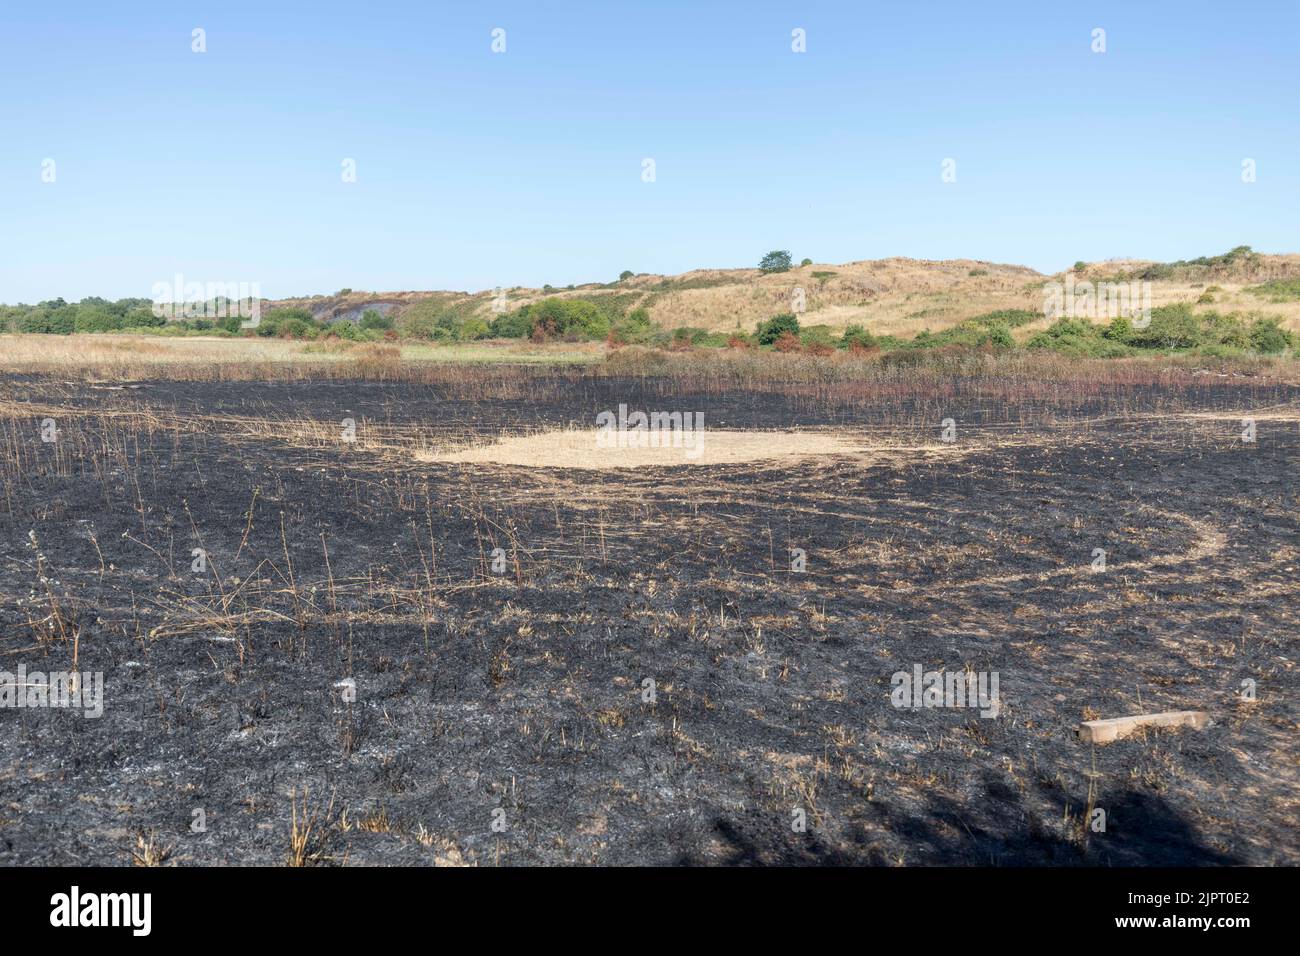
(778,260)
(625,274)
(806,262)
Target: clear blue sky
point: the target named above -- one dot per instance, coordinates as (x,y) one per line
(477,169)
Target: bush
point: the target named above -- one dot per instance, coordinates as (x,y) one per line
(1171,327)
(806,262)
(474,328)
(771,330)
(778,260)
(58,321)
(1077,337)
(633,329)
(511,325)
(97,319)
(287,324)
(970,334)
(1011,318)
(374,319)
(1000,337)
(856,337)
(352,333)
(1278,290)
(293,328)
(788,342)
(567,318)
(439,320)
(1268,336)
(819,336)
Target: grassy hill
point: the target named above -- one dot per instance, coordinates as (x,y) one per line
(895,296)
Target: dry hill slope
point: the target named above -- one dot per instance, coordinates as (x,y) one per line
(888,296)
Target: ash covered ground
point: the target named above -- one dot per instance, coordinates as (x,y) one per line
(639,676)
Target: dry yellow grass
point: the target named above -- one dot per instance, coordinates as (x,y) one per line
(23,352)
(580,448)
(113,356)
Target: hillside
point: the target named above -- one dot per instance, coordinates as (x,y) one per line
(896,296)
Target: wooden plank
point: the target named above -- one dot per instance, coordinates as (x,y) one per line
(1115,728)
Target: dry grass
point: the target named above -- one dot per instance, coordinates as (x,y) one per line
(581,448)
(149,851)
(117,358)
(309,832)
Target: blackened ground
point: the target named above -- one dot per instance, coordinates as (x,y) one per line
(503,717)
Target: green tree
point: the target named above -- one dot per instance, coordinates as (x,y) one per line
(778,260)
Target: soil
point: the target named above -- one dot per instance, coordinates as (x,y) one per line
(503,711)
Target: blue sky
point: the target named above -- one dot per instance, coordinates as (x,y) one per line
(476,169)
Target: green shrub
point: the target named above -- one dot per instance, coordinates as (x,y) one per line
(778,260)
(856,335)
(572,319)
(1011,318)
(351,332)
(473,328)
(97,319)
(771,330)
(374,319)
(568,318)
(1000,337)
(1267,336)
(1221,351)
(292,328)
(972,333)
(1171,327)
(818,335)
(633,329)
(1278,290)
(58,321)
(1077,337)
(285,314)
(511,325)
(431,322)
(143,317)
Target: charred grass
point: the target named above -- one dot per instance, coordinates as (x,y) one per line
(384,660)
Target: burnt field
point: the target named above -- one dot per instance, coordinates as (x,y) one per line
(330,643)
